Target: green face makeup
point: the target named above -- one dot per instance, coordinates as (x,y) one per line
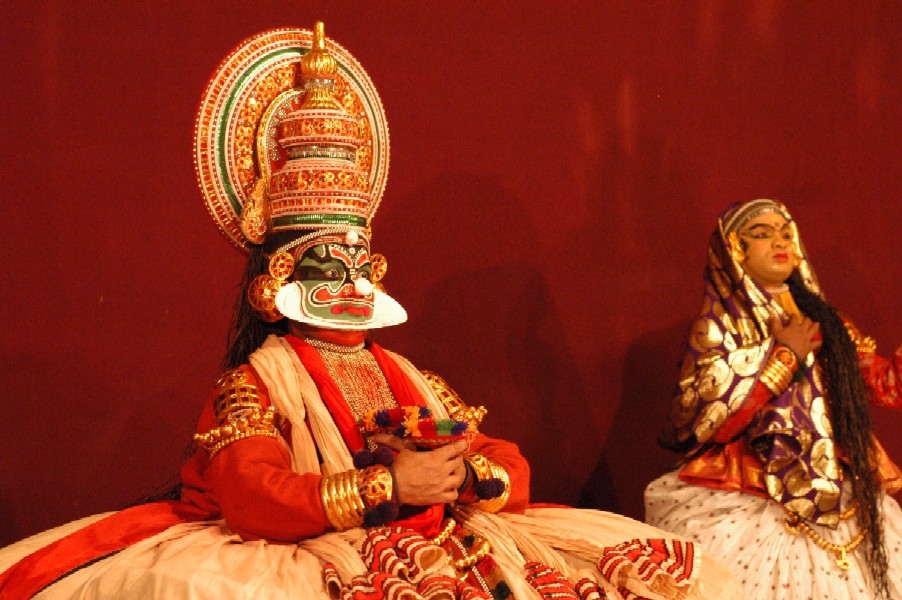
(326,274)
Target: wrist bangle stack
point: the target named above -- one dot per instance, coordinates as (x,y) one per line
(341,500)
(780,369)
(356,498)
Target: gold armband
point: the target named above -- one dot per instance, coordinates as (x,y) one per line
(239,414)
(780,369)
(348,496)
(483,470)
(456,408)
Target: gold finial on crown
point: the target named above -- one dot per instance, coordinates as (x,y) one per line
(318,69)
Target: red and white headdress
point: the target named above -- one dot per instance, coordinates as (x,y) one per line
(290,135)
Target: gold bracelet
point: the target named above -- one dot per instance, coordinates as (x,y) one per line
(779,370)
(376,485)
(341,499)
(483,469)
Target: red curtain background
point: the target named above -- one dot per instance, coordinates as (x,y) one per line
(556,170)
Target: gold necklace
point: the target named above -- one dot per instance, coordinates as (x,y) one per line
(794,524)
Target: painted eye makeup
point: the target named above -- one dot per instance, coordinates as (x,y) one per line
(315,273)
(766,232)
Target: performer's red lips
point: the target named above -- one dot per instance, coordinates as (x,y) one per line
(358,311)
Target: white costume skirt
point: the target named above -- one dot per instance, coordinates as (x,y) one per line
(748,534)
(204,560)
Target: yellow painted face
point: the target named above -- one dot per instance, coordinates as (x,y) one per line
(769,253)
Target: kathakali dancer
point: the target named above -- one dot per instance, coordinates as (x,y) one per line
(782,477)
(326,466)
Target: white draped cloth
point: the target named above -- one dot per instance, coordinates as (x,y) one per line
(748,534)
(205,560)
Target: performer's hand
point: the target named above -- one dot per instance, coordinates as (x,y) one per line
(429,477)
(393,441)
(802,336)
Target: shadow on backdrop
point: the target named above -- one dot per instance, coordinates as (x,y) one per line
(631,449)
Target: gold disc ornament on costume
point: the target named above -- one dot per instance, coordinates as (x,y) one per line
(301,147)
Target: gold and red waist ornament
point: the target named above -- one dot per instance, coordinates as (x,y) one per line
(736,467)
(290,135)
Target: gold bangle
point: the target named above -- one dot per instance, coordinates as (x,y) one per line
(341,500)
(376,485)
(483,469)
(779,370)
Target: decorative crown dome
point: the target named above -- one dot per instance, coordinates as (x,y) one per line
(320,183)
(290,134)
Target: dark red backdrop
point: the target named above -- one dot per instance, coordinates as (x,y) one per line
(556,170)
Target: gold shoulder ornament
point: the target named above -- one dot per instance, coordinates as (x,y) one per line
(239,413)
(456,408)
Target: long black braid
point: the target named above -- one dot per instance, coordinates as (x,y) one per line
(247,332)
(851,419)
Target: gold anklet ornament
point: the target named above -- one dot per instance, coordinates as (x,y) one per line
(794,524)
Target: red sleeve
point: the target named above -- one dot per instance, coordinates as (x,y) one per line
(882,378)
(508,456)
(736,424)
(261,497)
(251,481)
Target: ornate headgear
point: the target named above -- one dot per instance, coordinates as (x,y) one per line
(735,216)
(290,135)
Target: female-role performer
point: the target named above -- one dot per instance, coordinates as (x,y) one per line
(782,477)
(326,466)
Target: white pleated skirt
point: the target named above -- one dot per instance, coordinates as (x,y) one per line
(748,534)
(206,561)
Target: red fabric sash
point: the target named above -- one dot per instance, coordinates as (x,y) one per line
(108,535)
(401,387)
(429,521)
